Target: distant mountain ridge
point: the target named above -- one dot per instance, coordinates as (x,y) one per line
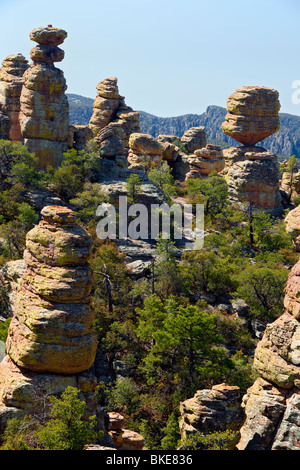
(285,142)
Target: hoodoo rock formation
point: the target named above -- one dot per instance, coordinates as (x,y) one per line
(11,73)
(211,410)
(112,122)
(272,404)
(252,114)
(51,342)
(44,109)
(52,327)
(253,176)
(206,160)
(252,173)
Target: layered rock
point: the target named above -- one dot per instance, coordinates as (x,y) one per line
(211,410)
(11,73)
(144,151)
(272,404)
(252,175)
(51,342)
(124,439)
(205,161)
(44,109)
(252,114)
(112,122)
(194,138)
(52,327)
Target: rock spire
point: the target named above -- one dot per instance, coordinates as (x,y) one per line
(44,109)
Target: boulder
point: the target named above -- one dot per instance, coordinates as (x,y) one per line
(194,138)
(52,326)
(211,410)
(252,114)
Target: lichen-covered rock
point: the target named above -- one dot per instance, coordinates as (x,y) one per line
(264,406)
(252,114)
(252,175)
(52,326)
(277,355)
(24,392)
(11,73)
(44,109)
(211,410)
(194,138)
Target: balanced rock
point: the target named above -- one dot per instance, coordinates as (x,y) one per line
(206,160)
(252,175)
(123,439)
(44,109)
(11,73)
(252,114)
(194,138)
(52,326)
(144,150)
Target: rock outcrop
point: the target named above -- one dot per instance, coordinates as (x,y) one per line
(253,176)
(124,439)
(252,114)
(11,73)
(211,410)
(44,109)
(112,122)
(144,151)
(51,343)
(272,404)
(194,138)
(205,161)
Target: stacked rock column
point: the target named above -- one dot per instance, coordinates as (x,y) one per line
(51,342)
(252,173)
(44,109)
(11,73)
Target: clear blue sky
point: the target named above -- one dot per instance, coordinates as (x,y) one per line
(171,57)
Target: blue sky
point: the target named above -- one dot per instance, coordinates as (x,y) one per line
(171,57)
